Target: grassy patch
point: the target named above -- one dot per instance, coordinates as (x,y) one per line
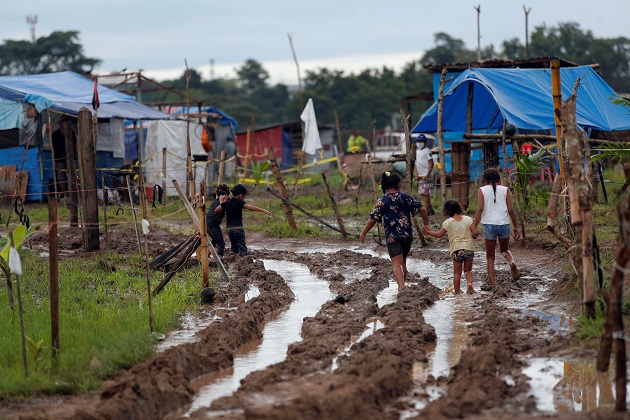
(104,322)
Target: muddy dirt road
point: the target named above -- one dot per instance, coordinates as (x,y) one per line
(315,329)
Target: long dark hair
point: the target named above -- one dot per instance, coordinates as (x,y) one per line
(389,180)
(491,175)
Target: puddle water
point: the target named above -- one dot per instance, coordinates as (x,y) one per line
(565,386)
(191,324)
(310,293)
(371,328)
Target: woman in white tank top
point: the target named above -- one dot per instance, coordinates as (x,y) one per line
(495,212)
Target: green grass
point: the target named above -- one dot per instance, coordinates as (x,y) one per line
(104,322)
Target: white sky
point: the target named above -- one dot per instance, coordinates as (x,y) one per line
(157,36)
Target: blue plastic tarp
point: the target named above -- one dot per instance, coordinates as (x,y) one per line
(68,92)
(523,97)
(222,118)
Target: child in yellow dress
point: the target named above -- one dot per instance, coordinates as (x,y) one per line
(460,231)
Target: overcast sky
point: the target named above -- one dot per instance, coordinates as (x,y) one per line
(157,36)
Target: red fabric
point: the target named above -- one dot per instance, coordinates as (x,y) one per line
(259,142)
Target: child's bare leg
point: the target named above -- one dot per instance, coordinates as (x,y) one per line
(406,273)
(490,249)
(457,275)
(505,251)
(399,271)
(469,275)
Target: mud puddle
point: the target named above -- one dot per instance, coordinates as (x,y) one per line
(561,386)
(310,293)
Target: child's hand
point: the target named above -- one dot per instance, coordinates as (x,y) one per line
(426,229)
(223,199)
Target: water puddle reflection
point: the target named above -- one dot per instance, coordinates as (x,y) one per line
(310,293)
(372,327)
(191,324)
(565,386)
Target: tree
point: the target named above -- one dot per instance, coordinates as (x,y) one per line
(448,50)
(60,51)
(252,75)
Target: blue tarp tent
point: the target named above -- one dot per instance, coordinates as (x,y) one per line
(68,92)
(64,92)
(523,98)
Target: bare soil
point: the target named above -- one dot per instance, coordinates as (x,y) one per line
(375,381)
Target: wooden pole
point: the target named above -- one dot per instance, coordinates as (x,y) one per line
(335,208)
(375,189)
(204,238)
(556,88)
(164,175)
(53,264)
(71,167)
(300,208)
(105,198)
(190,185)
(87,167)
(197,226)
(192,246)
(440,134)
(221,168)
(247,142)
(148,270)
(408,167)
(338,128)
(133,212)
(581,199)
(283,191)
(21,314)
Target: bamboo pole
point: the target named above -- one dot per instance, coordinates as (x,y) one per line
(556,88)
(580,193)
(408,167)
(105,198)
(300,208)
(283,191)
(53,265)
(73,199)
(375,189)
(440,134)
(204,238)
(87,165)
(197,227)
(335,207)
(133,212)
(221,168)
(164,175)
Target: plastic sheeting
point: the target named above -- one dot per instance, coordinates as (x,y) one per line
(68,92)
(172,136)
(523,97)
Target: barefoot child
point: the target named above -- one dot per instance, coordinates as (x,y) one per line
(460,237)
(234,217)
(394,210)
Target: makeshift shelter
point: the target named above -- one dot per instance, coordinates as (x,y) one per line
(173,136)
(28,102)
(519,97)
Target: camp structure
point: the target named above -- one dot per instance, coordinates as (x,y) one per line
(206,128)
(480,102)
(286,139)
(31,102)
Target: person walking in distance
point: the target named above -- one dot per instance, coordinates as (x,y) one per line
(394,210)
(495,211)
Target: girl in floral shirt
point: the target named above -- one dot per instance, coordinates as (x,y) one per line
(394,210)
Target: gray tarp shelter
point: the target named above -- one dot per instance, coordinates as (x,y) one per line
(65,93)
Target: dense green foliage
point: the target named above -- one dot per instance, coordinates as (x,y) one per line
(60,51)
(361,101)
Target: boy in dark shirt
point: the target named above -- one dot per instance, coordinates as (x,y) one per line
(213,220)
(234,217)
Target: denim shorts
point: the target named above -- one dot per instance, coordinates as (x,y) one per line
(492,232)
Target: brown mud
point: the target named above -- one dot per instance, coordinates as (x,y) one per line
(375,379)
